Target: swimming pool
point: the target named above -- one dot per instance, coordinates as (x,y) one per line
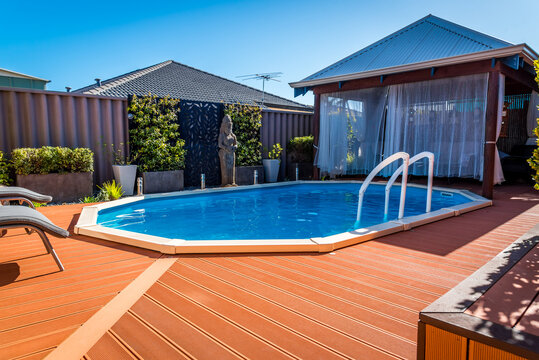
(300,213)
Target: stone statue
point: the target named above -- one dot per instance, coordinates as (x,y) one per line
(227,152)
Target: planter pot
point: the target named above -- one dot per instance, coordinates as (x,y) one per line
(245,174)
(162,181)
(125,175)
(305,170)
(271,169)
(62,187)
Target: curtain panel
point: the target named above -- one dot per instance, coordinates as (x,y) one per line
(351,131)
(445,117)
(360,128)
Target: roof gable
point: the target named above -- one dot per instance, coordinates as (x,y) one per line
(186,83)
(429,38)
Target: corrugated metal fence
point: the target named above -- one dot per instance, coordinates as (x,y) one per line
(280,126)
(34,118)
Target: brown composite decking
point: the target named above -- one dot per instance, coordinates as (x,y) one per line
(359,302)
(40,306)
(513,300)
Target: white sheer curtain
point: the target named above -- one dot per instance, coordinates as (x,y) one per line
(446,117)
(351,131)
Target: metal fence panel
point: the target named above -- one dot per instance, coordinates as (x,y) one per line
(35,118)
(281,126)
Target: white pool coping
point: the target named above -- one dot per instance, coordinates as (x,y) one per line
(87,225)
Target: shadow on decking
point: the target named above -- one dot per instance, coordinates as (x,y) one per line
(448,235)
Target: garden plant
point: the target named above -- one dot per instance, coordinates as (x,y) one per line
(247,122)
(155,136)
(534,160)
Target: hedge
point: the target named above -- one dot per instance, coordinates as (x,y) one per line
(155,136)
(48,159)
(300,148)
(247,122)
(4,170)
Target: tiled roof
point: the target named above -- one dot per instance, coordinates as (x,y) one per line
(429,38)
(185,83)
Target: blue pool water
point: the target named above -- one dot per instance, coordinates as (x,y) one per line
(295,211)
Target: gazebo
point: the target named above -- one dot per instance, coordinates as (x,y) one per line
(431,86)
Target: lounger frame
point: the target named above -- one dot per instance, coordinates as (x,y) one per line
(42,235)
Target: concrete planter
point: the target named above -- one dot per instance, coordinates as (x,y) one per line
(305,170)
(271,169)
(69,187)
(162,181)
(125,175)
(245,174)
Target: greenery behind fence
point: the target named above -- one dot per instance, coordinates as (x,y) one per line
(247,122)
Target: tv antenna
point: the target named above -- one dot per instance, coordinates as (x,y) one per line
(264,77)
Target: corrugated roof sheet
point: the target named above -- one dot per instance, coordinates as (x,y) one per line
(186,83)
(429,38)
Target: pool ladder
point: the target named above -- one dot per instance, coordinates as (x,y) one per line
(403,169)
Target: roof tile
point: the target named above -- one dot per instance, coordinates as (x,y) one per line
(185,83)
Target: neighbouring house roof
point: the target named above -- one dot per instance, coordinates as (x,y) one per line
(430,41)
(6,72)
(186,83)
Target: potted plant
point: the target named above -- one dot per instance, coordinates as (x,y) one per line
(63,173)
(155,143)
(247,122)
(125,173)
(273,163)
(300,156)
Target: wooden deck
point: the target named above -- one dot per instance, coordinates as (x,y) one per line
(513,300)
(40,306)
(358,302)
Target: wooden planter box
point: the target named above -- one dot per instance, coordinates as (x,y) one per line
(245,174)
(162,181)
(69,187)
(305,171)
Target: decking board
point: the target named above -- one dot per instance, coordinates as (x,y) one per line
(357,302)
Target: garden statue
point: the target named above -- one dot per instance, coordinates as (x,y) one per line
(227,149)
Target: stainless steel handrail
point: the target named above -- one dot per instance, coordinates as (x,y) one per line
(413,159)
(400,155)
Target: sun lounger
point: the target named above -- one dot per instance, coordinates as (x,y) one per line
(14,193)
(15,216)
(22,195)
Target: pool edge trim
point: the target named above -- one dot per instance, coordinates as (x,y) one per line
(87,225)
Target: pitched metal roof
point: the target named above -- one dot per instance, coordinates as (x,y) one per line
(186,83)
(430,38)
(6,72)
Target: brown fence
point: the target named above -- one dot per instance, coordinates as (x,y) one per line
(35,118)
(279,127)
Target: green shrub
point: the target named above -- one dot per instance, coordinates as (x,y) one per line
(89,199)
(117,154)
(300,149)
(154,136)
(534,160)
(247,122)
(275,152)
(48,160)
(82,160)
(4,170)
(110,191)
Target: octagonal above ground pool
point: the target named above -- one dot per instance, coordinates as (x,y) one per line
(299,216)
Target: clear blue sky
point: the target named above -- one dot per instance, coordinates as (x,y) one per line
(72,42)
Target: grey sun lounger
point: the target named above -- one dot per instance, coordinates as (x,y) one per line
(15,216)
(14,193)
